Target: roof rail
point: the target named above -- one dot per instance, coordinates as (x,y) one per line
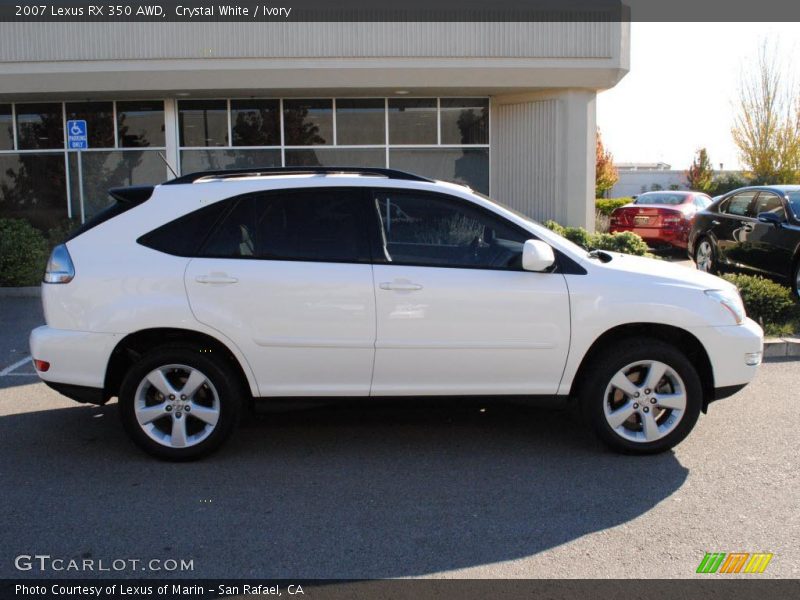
(259,171)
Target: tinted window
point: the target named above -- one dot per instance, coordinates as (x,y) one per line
(360,121)
(39,126)
(183,236)
(203,122)
(431,230)
(140,123)
(256,122)
(307,122)
(315,225)
(794,202)
(769,203)
(99,117)
(6,127)
(465,120)
(661,198)
(739,204)
(412,121)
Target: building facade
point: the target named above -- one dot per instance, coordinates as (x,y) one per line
(507,108)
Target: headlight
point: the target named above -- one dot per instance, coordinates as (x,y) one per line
(731,300)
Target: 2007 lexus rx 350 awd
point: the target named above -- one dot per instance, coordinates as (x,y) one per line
(189,299)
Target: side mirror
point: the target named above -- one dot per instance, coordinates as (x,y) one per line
(537,256)
(770,218)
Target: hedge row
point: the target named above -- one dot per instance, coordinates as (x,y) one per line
(771,304)
(626,242)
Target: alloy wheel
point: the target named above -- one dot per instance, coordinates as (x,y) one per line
(704,257)
(645,401)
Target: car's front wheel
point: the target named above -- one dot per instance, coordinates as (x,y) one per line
(642,396)
(178,404)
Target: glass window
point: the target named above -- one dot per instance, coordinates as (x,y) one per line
(467,166)
(140,123)
(99,117)
(738,205)
(185,235)
(437,231)
(794,202)
(240,158)
(33,187)
(39,126)
(203,122)
(412,121)
(702,202)
(256,122)
(465,120)
(360,122)
(769,203)
(336,157)
(307,122)
(103,170)
(316,225)
(6,127)
(666,198)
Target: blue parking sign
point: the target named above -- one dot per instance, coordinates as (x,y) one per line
(77,135)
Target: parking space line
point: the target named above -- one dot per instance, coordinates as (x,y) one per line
(8,370)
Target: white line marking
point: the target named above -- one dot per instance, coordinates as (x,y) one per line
(15,366)
(21,375)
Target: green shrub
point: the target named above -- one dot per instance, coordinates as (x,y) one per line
(606,206)
(23,253)
(764,300)
(626,242)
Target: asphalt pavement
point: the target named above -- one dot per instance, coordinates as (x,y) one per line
(427,489)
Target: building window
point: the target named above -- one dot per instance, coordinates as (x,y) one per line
(256,122)
(99,117)
(412,121)
(6,127)
(32,186)
(140,124)
(467,166)
(336,157)
(40,126)
(203,122)
(240,158)
(307,122)
(465,120)
(360,121)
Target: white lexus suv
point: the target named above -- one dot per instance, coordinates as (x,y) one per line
(190,299)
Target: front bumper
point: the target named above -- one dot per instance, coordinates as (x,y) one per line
(78,359)
(734,351)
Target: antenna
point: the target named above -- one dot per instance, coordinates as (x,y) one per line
(168,165)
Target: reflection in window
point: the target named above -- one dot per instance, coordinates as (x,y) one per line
(307,122)
(32,187)
(412,121)
(203,122)
(241,158)
(468,166)
(256,122)
(39,126)
(140,123)
(465,120)
(336,157)
(360,122)
(99,117)
(6,127)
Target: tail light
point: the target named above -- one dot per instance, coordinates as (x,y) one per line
(59,268)
(41,365)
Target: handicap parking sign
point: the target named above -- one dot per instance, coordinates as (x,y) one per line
(77,135)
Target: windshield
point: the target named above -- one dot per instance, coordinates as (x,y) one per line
(794,202)
(670,199)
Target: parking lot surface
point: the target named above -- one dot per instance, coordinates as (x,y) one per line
(401,490)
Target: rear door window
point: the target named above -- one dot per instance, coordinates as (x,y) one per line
(183,236)
(771,203)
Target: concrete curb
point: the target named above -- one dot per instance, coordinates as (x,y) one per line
(21,292)
(788,347)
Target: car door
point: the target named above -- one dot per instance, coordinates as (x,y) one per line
(287,276)
(731,226)
(456,313)
(773,245)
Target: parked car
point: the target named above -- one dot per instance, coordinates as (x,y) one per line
(753,229)
(660,218)
(190,299)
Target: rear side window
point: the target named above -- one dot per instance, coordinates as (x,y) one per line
(769,203)
(324,225)
(739,204)
(183,236)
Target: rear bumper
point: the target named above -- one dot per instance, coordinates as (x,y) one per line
(78,359)
(80,393)
(654,236)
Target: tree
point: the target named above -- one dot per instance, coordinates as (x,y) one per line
(766,128)
(605,174)
(701,174)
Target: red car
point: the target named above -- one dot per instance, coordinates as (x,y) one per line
(661,218)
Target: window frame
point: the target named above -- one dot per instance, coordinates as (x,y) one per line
(774,195)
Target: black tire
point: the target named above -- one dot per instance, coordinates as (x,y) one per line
(225,386)
(714,267)
(597,377)
(796,279)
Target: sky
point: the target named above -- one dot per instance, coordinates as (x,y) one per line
(682,87)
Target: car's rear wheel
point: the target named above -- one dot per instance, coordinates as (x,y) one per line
(704,256)
(796,280)
(177,404)
(642,396)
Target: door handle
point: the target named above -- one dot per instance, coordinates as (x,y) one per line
(715,223)
(400,286)
(215,279)
(746,225)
